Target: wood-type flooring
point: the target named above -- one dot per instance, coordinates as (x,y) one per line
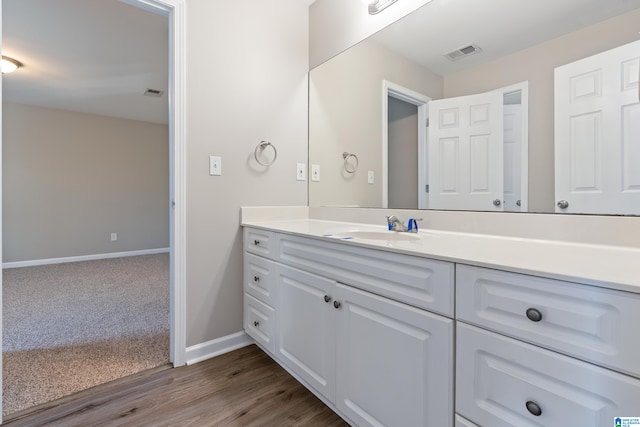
(241,388)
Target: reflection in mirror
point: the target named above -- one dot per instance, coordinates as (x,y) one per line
(370,100)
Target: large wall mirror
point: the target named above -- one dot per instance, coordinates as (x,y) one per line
(498,105)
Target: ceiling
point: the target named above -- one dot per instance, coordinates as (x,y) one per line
(92,56)
(499,27)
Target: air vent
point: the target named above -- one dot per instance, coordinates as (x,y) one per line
(153,92)
(463,52)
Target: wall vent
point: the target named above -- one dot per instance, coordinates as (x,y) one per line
(153,92)
(463,52)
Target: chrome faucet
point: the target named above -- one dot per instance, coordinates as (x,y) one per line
(396,224)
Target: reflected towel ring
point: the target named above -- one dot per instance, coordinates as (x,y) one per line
(260,147)
(350,168)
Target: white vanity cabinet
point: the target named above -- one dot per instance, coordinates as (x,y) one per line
(259,287)
(378,360)
(519,339)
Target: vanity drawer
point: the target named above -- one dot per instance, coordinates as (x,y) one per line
(259,278)
(259,322)
(417,281)
(503,382)
(259,242)
(463,422)
(586,322)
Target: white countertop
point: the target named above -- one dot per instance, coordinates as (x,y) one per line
(599,265)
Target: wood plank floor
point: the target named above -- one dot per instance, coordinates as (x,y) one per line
(242,388)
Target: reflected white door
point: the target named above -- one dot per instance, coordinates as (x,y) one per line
(597,133)
(513,158)
(466,152)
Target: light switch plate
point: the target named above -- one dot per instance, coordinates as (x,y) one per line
(215,165)
(315,173)
(371,177)
(300,172)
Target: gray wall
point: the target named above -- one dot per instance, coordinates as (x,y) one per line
(71,179)
(246,81)
(403,154)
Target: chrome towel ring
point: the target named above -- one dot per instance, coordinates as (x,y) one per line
(260,148)
(350,165)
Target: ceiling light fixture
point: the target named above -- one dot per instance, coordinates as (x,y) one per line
(9,65)
(377,6)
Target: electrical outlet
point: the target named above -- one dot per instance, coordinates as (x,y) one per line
(215,165)
(315,173)
(300,172)
(114,237)
(371,177)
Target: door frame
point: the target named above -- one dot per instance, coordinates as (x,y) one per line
(394,90)
(174,10)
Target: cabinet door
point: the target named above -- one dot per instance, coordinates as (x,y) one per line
(394,363)
(503,382)
(306,327)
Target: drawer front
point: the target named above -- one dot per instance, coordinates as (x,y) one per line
(259,278)
(259,242)
(586,322)
(463,422)
(259,322)
(417,281)
(504,382)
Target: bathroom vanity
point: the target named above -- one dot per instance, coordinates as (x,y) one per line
(443,329)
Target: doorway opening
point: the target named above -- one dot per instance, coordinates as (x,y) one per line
(173,10)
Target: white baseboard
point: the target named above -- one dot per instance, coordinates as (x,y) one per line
(82,258)
(207,350)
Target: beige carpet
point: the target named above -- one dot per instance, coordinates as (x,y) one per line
(68,327)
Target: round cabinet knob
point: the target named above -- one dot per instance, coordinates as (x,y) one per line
(337,304)
(256,323)
(534,408)
(256,242)
(256,279)
(563,204)
(519,203)
(534,315)
(327,298)
(497,202)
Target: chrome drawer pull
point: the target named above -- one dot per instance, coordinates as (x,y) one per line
(256,279)
(337,304)
(534,315)
(256,323)
(256,242)
(327,299)
(534,408)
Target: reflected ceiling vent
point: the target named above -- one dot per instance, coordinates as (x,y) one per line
(153,92)
(472,49)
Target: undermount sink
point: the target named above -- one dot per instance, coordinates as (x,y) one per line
(393,236)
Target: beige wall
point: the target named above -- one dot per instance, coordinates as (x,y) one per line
(336,25)
(345,102)
(536,65)
(72,179)
(246,82)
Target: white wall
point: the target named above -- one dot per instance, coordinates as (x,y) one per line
(247,63)
(71,179)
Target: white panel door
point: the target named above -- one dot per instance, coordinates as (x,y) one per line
(512,157)
(597,133)
(394,362)
(465,152)
(306,327)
